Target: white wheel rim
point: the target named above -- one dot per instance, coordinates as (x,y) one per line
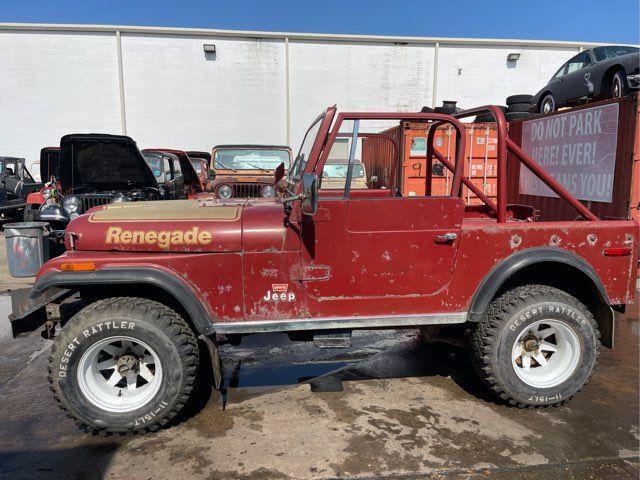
(119,374)
(546,353)
(548,105)
(616,87)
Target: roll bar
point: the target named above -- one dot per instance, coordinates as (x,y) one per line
(505,145)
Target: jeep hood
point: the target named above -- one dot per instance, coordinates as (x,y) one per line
(99,162)
(162,226)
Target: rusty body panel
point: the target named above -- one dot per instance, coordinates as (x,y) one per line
(260,260)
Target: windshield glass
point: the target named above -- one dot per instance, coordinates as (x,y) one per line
(250,159)
(197,166)
(602,53)
(155,164)
(300,163)
(340,170)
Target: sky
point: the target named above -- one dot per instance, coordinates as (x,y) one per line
(613,21)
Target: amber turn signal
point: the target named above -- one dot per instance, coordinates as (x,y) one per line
(78,267)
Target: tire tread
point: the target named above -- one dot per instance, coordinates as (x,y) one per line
(169,321)
(485,337)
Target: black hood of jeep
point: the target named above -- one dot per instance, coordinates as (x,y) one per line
(98,162)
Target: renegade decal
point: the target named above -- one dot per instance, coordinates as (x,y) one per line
(163,239)
(279,292)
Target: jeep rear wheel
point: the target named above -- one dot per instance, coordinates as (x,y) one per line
(123,365)
(536,346)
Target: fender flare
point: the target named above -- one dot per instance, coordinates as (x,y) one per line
(123,276)
(501,272)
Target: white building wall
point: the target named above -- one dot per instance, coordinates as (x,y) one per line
(58,82)
(55,83)
(480,74)
(177,96)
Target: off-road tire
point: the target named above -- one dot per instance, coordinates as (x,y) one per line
(511,314)
(148,321)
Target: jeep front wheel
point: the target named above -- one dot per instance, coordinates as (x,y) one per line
(536,346)
(123,365)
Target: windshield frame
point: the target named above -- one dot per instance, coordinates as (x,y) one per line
(218,163)
(297,168)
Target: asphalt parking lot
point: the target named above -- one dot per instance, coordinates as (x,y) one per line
(392,407)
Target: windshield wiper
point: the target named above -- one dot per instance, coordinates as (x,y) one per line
(255,166)
(223,166)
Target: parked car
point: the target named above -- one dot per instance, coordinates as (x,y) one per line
(192,183)
(596,73)
(166,168)
(15,185)
(97,169)
(245,171)
(48,192)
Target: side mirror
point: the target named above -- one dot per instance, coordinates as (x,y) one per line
(373,178)
(166,177)
(212,175)
(309,194)
(279,173)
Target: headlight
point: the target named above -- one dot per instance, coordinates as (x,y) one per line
(120,199)
(225,191)
(268,191)
(71,204)
(46,193)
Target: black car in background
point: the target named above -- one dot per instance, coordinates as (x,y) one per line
(596,73)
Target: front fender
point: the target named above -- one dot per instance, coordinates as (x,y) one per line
(110,276)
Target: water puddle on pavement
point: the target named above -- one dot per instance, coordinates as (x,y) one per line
(264,363)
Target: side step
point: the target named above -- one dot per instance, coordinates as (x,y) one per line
(332,339)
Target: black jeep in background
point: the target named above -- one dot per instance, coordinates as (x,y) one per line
(96,169)
(593,74)
(15,184)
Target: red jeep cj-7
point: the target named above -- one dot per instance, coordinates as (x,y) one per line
(538,296)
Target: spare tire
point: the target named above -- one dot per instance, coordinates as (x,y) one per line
(510,116)
(445,110)
(519,99)
(519,107)
(483,118)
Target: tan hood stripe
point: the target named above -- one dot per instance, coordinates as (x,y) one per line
(165,210)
